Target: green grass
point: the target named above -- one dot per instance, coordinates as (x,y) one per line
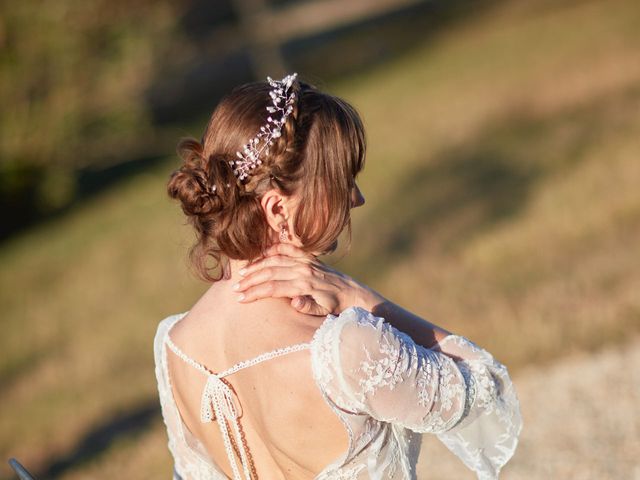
(502,203)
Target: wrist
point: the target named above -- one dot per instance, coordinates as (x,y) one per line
(365,297)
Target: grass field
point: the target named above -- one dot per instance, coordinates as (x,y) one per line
(502,203)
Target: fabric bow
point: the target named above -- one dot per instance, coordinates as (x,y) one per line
(217,392)
(217,404)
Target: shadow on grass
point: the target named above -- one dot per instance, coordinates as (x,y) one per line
(186,86)
(122,426)
(439,204)
(184,91)
(22,212)
(17,366)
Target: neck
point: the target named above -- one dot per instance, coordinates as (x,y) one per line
(232,274)
(223,289)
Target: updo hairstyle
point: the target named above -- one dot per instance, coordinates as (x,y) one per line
(317,157)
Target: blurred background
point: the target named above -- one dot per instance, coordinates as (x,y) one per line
(502,187)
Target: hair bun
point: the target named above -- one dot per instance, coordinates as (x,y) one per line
(191,184)
(317,150)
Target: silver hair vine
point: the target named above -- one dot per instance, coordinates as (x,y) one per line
(258,147)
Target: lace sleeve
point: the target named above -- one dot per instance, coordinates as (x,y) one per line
(487,435)
(456,390)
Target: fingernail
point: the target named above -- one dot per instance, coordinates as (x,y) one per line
(242,271)
(240,297)
(236,286)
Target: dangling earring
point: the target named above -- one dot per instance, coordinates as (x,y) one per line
(283,233)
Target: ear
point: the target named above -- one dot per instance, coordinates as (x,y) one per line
(276,208)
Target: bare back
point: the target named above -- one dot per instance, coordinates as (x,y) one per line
(290,430)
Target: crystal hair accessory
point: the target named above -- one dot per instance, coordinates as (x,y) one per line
(258,147)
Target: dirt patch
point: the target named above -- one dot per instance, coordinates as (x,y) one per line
(581,420)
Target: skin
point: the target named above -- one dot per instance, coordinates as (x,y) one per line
(287,271)
(277,301)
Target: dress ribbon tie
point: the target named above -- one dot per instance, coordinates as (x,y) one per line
(218,404)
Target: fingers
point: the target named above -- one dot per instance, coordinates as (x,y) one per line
(272,261)
(278,273)
(289,271)
(272,288)
(280,254)
(306,304)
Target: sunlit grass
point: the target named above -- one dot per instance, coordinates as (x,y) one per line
(502,203)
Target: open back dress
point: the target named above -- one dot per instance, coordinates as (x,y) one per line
(386,390)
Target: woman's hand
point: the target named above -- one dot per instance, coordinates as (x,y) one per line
(314,288)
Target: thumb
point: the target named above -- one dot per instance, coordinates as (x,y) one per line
(297,302)
(306,304)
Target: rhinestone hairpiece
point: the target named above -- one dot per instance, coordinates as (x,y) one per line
(282,104)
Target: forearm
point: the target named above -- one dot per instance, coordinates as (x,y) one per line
(420,330)
(318,289)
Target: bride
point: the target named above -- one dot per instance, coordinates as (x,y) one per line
(286,368)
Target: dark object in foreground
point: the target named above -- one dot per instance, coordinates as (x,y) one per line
(22,472)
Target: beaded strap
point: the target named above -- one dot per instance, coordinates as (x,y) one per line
(240,365)
(187,359)
(263,357)
(217,403)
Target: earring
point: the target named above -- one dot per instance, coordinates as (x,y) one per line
(283,233)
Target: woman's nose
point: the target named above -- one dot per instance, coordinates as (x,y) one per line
(357,199)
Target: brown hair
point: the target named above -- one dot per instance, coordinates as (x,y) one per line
(320,152)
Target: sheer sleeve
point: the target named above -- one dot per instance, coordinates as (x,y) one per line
(455,390)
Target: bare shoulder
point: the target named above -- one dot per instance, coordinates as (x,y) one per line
(225,332)
(285,323)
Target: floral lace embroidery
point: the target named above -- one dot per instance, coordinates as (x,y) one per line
(350,473)
(424,379)
(387,390)
(380,372)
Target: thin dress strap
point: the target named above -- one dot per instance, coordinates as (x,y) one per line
(279,352)
(218,400)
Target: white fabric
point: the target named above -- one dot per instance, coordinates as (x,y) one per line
(387,391)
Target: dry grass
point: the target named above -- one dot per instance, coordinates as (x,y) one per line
(502,203)
(565,417)
(512,202)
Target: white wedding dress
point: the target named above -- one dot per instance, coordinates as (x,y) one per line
(386,390)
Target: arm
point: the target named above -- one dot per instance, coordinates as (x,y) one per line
(421,331)
(317,289)
(395,366)
(367,366)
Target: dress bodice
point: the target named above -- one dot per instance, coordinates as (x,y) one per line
(385,389)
